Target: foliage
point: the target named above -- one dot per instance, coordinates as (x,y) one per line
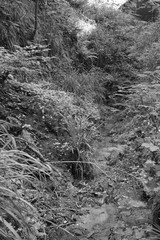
(78,150)
(91,84)
(75,101)
(21,64)
(19,219)
(73,120)
(146,47)
(58,29)
(107,46)
(55,26)
(137,124)
(17,20)
(66,80)
(29,65)
(141,108)
(73,61)
(102,13)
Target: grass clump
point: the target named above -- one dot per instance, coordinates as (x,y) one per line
(19,219)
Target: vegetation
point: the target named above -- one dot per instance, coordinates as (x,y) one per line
(61,89)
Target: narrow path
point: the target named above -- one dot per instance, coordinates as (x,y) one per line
(121,213)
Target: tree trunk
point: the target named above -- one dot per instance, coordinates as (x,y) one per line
(35,20)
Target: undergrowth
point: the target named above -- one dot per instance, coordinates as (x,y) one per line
(68,76)
(19,219)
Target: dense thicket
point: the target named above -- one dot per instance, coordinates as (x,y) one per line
(105,50)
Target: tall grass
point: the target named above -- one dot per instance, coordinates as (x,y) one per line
(18,173)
